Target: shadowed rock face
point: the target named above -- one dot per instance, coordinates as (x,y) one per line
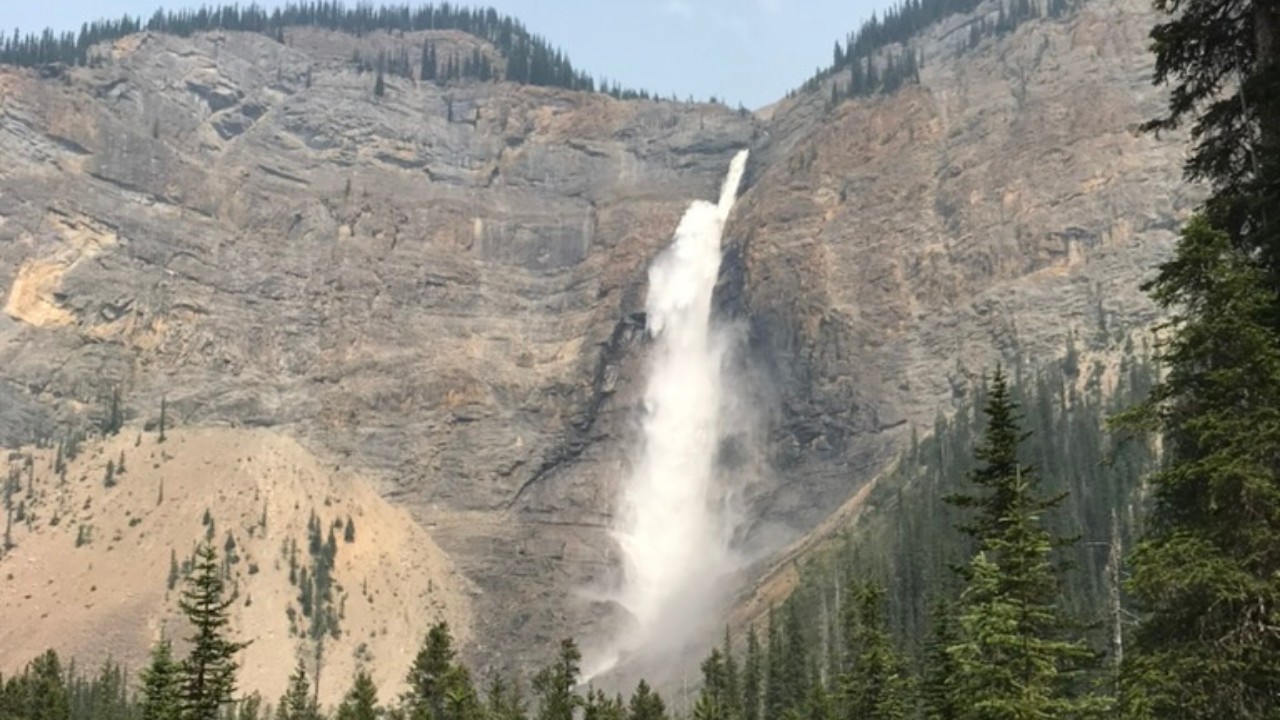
(443,287)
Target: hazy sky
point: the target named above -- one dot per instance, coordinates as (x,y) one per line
(749,51)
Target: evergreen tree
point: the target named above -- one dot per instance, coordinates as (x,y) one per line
(937,694)
(426,69)
(164,407)
(208,674)
(775,694)
(173,569)
(1014,659)
(461,700)
(875,684)
(732,680)
(554,685)
(795,665)
(503,701)
(718,698)
(751,677)
(115,415)
(819,705)
(361,701)
(1207,572)
(1222,58)
(161,685)
(1011,663)
(997,456)
(440,688)
(8,530)
(429,674)
(602,707)
(45,696)
(646,704)
(250,708)
(297,702)
(330,549)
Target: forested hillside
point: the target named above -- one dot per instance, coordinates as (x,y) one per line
(908,538)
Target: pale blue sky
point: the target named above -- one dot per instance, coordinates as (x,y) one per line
(749,51)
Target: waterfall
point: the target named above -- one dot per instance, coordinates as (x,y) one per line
(673,526)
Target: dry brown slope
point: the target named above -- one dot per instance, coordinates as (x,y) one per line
(88,575)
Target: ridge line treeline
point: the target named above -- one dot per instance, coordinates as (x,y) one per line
(529,58)
(872,65)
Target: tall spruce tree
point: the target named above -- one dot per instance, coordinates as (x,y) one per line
(554,685)
(1015,659)
(1207,572)
(646,704)
(751,677)
(1222,58)
(600,706)
(297,702)
(819,704)
(1012,663)
(439,688)
(461,702)
(775,691)
(937,691)
(208,673)
(732,679)
(45,695)
(361,701)
(795,664)
(503,700)
(161,685)
(379,82)
(998,464)
(874,685)
(425,696)
(249,707)
(718,698)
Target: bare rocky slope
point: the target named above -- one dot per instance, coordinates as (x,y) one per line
(441,290)
(96,570)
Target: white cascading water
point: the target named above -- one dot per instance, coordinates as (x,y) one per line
(673,528)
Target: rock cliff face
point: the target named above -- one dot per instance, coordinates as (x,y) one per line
(893,250)
(434,286)
(442,288)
